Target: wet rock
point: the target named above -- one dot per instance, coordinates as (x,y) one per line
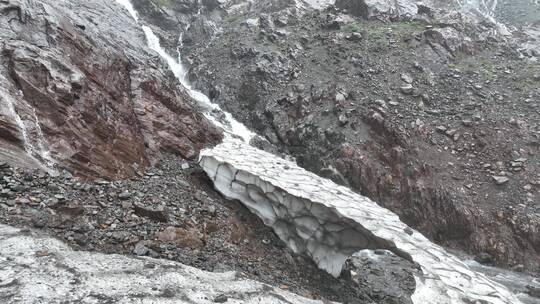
(343,120)
(354,37)
(484,258)
(340,97)
(221,299)
(158,214)
(102,73)
(385,274)
(449,40)
(533,291)
(406,78)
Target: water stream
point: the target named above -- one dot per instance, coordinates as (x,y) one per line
(213,112)
(451,278)
(18,120)
(40,154)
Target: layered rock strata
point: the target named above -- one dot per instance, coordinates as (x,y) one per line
(79,89)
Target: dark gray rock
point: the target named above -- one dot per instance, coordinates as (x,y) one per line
(159,213)
(390,278)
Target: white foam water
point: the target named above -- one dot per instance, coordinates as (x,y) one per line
(40,154)
(212,111)
(129,7)
(12,113)
(231,126)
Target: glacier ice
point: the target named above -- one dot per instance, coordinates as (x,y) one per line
(327,222)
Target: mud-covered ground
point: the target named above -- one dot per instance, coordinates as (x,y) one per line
(171,212)
(434,118)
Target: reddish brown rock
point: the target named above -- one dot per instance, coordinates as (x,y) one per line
(88,92)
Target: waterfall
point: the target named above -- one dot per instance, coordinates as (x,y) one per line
(40,153)
(129,7)
(44,152)
(231,126)
(12,112)
(212,112)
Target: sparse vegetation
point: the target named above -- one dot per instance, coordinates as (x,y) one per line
(162,3)
(353,27)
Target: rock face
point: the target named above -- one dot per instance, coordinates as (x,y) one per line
(429,151)
(80,89)
(328,223)
(38,268)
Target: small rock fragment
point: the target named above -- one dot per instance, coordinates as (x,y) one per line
(484,258)
(406,78)
(158,214)
(221,299)
(499,180)
(124,195)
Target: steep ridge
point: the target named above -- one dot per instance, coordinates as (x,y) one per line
(312,215)
(98,106)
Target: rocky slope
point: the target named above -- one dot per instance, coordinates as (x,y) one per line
(431,113)
(171,211)
(80,90)
(434,115)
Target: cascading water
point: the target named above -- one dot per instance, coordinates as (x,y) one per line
(277,190)
(40,154)
(211,111)
(17,119)
(44,152)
